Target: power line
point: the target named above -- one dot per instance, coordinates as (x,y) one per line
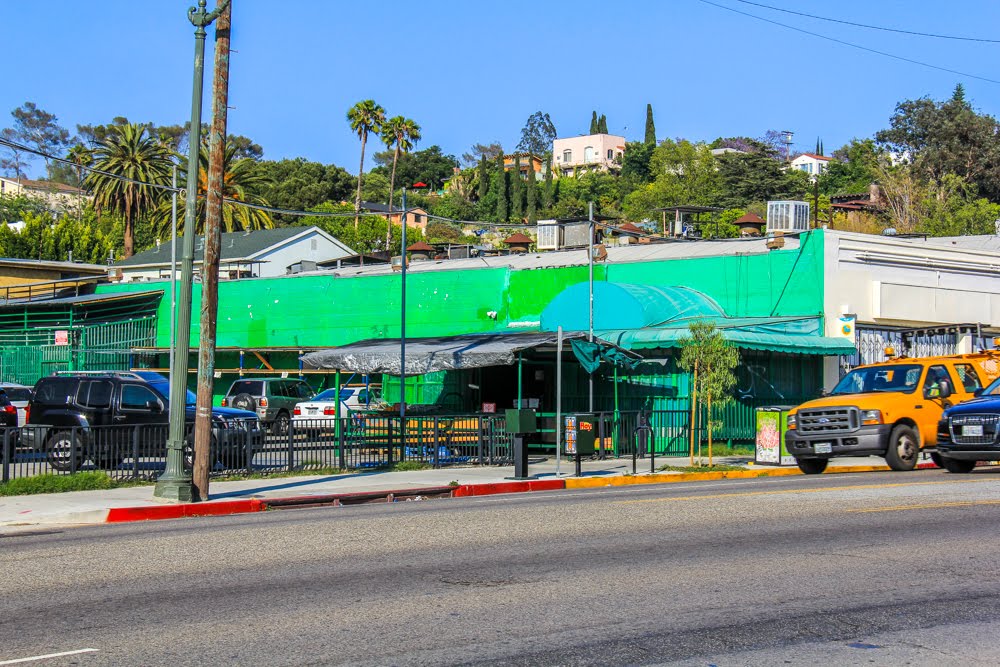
(872,27)
(851,44)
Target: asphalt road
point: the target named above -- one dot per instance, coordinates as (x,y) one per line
(882,568)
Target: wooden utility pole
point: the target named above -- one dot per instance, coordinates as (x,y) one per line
(210,265)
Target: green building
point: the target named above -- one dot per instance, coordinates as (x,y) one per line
(769,302)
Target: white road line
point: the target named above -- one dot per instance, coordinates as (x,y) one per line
(35,658)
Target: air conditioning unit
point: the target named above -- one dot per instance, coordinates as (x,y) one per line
(787,216)
(548,235)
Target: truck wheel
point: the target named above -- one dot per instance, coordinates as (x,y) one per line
(957,466)
(65,451)
(904,448)
(938,461)
(812,466)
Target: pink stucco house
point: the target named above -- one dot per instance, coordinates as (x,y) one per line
(591,152)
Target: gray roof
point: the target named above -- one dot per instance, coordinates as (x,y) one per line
(644,252)
(236,246)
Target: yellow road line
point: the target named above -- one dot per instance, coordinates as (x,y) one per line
(898,508)
(794,491)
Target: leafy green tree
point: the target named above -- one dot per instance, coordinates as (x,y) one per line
(537,134)
(650,138)
(479,151)
(853,169)
(39,129)
(365,238)
(365,117)
(635,161)
(755,177)
(129,152)
(430,166)
(240,183)
(500,188)
(298,185)
(442,232)
(602,125)
(376,189)
(516,191)
(684,173)
(947,138)
(711,360)
(593,123)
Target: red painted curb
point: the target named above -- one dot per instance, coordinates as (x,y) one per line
(467,490)
(157,512)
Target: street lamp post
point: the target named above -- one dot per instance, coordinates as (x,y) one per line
(590,300)
(175,482)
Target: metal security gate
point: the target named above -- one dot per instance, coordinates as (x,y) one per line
(27,355)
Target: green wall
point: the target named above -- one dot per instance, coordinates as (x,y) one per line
(326,310)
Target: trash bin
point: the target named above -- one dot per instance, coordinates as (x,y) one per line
(771,426)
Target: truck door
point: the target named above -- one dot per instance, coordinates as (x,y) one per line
(929,403)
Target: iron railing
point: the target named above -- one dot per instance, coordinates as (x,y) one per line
(361,441)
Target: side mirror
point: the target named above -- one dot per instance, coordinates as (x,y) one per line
(154,406)
(945,389)
(978,392)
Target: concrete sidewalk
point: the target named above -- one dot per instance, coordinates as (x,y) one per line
(137,503)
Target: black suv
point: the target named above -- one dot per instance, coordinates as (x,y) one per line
(111,416)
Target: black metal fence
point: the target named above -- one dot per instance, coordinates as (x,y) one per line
(358,442)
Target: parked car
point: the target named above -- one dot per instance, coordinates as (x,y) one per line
(970,431)
(888,409)
(71,417)
(273,399)
(323,407)
(19,396)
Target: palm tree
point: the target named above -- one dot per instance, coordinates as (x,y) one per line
(129,152)
(365,116)
(239,182)
(399,133)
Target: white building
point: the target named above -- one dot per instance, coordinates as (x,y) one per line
(262,253)
(812,164)
(926,296)
(591,152)
(55,197)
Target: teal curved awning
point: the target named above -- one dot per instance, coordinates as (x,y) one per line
(626,306)
(637,317)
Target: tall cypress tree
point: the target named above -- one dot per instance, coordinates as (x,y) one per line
(484,177)
(547,192)
(602,125)
(650,128)
(531,195)
(516,196)
(500,187)
(593,123)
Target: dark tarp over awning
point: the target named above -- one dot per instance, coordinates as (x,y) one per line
(426,355)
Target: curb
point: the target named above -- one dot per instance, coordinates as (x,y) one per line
(251,505)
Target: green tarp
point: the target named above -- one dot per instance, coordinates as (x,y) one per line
(590,355)
(637,317)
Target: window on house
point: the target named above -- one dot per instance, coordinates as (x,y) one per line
(611,154)
(567,156)
(312,244)
(588,154)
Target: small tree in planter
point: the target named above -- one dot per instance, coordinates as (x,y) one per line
(711,360)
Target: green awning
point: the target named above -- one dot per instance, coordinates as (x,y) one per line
(791,335)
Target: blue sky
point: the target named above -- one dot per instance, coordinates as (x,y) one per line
(474,71)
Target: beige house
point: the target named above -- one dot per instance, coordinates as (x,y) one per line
(56,197)
(591,152)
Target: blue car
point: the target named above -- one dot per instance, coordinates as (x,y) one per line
(968,432)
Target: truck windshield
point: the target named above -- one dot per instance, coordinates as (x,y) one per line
(896,378)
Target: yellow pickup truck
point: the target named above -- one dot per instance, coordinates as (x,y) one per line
(889,409)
